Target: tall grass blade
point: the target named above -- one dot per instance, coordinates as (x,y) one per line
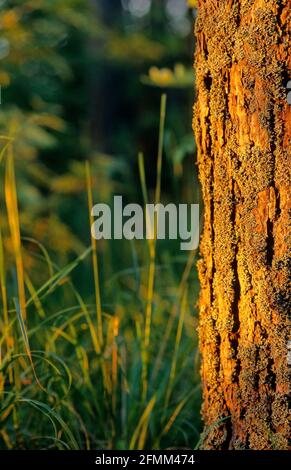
(94,258)
(173,313)
(141,429)
(176,348)
(152,249)
(13,220)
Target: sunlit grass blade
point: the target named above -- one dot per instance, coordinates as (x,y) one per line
(55,281)
(152,243)
(3,150)
(142,178)
(94,258)
(44,252)
(6,330)
(173,313)
(152,248)
(13,220)
(174,416)
(139,434)
(176,348)
(34,296)
(160,147)
(26,343)
(90,323)
(48,358)
(114,360)
(6,438)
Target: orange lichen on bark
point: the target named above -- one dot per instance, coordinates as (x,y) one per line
(242,128)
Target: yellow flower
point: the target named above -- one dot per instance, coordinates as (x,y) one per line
(162,76)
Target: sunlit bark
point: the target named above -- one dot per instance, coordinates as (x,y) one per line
(243,126)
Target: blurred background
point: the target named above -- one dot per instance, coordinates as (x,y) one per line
(81,80)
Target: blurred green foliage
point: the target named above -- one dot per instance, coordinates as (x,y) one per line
(59,62)
(81,80)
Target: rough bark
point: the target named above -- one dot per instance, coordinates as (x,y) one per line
(242,126)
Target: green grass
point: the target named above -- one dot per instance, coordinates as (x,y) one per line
(117,368)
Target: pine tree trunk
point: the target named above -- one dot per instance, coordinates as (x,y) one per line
(243,126)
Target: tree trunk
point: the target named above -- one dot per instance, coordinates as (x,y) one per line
(243,127)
